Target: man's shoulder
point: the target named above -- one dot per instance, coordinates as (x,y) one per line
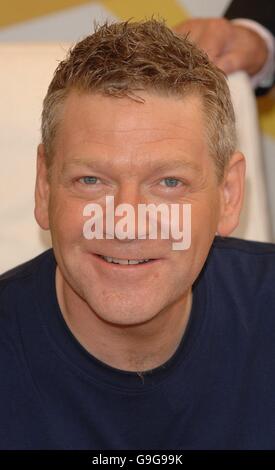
(243,270)
(247,247)
(243,257)
(19,276)
(18,293)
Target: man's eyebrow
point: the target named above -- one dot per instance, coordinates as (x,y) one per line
(88,163)
(178,163)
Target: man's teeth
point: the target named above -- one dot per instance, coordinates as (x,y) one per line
(124,261)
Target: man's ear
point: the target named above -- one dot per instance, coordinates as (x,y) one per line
(42,190)
(231,195)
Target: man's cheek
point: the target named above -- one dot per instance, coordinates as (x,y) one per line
(67,221)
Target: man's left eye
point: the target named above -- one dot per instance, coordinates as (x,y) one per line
(170,182)
(89,180)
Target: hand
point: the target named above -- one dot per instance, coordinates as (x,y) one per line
(230,46)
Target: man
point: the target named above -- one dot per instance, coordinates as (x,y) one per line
(127,343)
(246,43)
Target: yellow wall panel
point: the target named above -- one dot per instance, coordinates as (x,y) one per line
(266,107)
(138,9)
(22,10)
(15,11)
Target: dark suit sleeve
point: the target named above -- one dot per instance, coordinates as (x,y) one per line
(262,11)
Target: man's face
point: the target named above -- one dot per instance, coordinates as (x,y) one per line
(131,150)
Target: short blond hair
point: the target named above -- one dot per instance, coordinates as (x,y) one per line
(120,59)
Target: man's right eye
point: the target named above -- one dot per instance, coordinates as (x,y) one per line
(89,180)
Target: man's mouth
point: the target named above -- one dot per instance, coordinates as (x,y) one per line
(121,261)
(125,266)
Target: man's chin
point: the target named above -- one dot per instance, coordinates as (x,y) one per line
(132,314)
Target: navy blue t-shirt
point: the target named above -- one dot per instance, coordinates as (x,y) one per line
(216,392)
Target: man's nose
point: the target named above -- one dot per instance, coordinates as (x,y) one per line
(126,203)
(128,193)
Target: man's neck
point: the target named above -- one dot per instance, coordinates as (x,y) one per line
(136,348)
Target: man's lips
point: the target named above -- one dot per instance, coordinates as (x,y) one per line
(112,265)
(128,256)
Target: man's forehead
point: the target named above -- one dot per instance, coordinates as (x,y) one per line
(111,121)
(124,113)
(163,132)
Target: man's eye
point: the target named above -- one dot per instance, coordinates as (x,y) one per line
(89,180)
(170,182)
